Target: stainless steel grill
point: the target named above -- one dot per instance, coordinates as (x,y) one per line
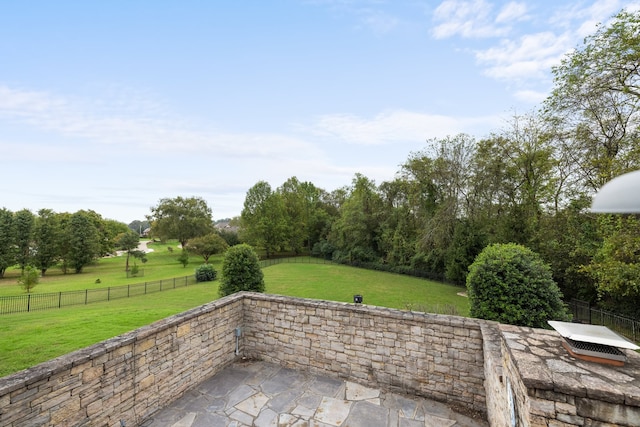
(595,350)
(594,343)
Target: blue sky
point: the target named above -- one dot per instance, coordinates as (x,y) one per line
(113,105)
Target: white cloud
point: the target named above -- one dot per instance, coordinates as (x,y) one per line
(530,56)
(512,11)
(392,127)
(583,21)
(466,18)
(124,124)
(524,52)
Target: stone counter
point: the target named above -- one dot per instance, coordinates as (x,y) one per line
(552,388)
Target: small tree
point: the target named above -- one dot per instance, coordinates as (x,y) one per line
(511,284)
(128,242)
(241,271)
(184,258)
(206,246)
(29,278)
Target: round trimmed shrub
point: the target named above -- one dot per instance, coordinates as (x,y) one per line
(206,273)
(241,271)
(510,283)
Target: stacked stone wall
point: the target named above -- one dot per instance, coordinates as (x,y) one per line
(495,381)
(435,356)
(127,378)
(517,376)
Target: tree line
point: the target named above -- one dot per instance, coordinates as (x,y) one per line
(48,238)
(530,183)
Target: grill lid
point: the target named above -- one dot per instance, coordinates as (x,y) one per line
(594,334)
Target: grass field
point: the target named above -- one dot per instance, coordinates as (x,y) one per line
(161,264)
(27,339)
(340,283)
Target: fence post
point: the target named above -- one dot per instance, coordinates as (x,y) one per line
(86,294)
(145,288)
(59,299)
(109,293)
(28,302)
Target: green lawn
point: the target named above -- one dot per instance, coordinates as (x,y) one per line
(27,339)
(161,264)
(341,283)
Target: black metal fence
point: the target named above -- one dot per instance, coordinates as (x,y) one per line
(34,302)
(405,270)
(267,262)
(625,326)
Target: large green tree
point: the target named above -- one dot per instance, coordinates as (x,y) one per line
(7,240)
(110,230)
(429,196)
(467,242)
(263,218)
(46,237)
(181,218)
(82,240)
(24,221)
(305,217)
(615,267)
(399,224)
(356,232)
(595,103)
(512,184)
(568,240)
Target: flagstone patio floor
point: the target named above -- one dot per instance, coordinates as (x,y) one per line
(266,395)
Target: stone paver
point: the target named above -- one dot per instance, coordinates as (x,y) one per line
(266,395)
(360,392)
(333,411)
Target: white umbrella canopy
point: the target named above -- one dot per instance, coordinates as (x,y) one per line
(620,195)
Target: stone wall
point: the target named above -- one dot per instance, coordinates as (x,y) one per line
(435,356)
(495,387)
(126,378)
(517,376)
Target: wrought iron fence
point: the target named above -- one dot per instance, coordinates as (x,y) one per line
(34,302)
(625,326)
(267,262)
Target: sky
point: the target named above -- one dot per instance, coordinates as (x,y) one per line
(115,105)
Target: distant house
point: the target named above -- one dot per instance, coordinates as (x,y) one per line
(226,226)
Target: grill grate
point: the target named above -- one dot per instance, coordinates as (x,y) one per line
(595,350)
